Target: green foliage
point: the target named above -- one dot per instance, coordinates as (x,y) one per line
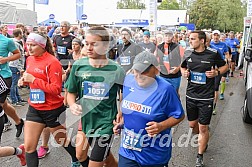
(225,15)
(130,4)
(169,5)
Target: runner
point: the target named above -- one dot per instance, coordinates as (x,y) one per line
(96,81)
(46,108)
(156,109)
(169,55)
(127,51)
(223,50)
(198,67)
(8,46)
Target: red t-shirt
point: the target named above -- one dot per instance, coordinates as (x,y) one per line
(48,73)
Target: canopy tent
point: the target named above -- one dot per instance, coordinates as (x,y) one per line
(132,23)
(49,22)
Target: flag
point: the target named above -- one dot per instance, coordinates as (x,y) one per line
(79,9)
(44,2)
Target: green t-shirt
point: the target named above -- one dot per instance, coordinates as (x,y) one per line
(97,89)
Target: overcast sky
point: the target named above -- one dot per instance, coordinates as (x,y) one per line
(65,9)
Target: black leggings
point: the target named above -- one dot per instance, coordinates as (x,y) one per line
(1,124)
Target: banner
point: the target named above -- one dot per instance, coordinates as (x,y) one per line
(44,2)
(79,9)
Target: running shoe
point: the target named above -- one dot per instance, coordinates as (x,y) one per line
(214,112)
(7,126)
(199,161)
(22,156)
(232,74)
(43,151)
(75,164)
(221,96)
(19,128)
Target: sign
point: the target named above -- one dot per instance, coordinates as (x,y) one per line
(247,21)
(153,16)
(249,8)
(51,16)
(44,2)
(79,9)
(83,16)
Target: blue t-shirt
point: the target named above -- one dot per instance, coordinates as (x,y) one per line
(221,47)
(233,43)
(6,45)
(156,102)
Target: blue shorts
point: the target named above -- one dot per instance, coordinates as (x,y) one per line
(175,82)
(125,162)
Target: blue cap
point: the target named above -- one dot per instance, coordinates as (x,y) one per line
(147,33)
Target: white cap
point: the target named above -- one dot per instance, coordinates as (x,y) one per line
(216,32)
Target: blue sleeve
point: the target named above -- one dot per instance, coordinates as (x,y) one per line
(225,48)
(50,33)
(173,104)
(236,40)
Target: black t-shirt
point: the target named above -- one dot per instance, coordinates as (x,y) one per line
(62,44)
(199,86)
(127,53)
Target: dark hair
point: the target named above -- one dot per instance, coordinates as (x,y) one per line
(101,32)
(17,32)
(201,35)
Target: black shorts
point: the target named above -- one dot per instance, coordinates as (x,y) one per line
(199,109)
(233,59)
(51,118)
(3,96)
(217,80)
(100,147)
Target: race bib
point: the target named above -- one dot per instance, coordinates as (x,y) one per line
(61,50)
(37,96)
(131,140)
(95,90)
(198,78)
(233,50)
(165,58)
(125,60)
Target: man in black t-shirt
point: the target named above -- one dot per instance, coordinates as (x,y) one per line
(199,67)
(127,51)
(63,44)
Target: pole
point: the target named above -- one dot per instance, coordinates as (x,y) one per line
(33,5)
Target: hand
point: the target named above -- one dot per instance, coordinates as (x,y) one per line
(76,109)
(174,70)
(117,127)
(212,73)
(28,77)
(153,128)
(21,82)
(70,51)
(186,73)
(3,60)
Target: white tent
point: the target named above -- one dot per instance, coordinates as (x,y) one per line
(10,14)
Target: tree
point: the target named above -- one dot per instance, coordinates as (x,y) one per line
(183,4)
(224,15)
(169,5)
(130,4)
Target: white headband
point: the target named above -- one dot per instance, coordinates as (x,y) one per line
(38,39)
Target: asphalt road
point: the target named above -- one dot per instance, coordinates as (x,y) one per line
(230,142)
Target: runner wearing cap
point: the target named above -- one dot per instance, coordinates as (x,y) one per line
(150,108)
(169,55)
(146,44)
(223,49)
